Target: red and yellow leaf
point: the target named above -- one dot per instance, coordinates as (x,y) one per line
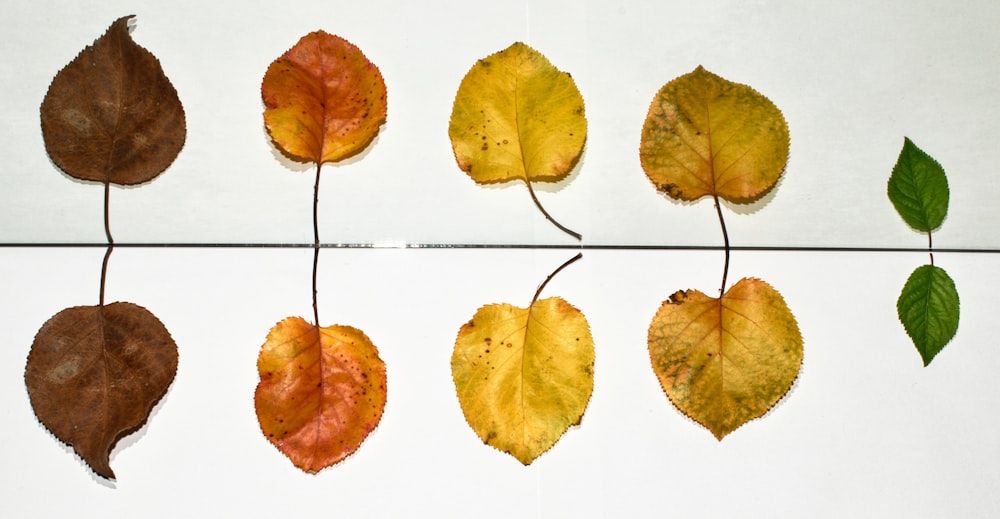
(524,375)
(321,391)
(324,100)
(725,361)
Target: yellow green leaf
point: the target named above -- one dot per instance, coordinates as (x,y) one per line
(524,375)
(705,135)
(725,361)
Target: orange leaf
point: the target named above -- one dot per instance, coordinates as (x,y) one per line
(725,361)
(325,101)
(321,391)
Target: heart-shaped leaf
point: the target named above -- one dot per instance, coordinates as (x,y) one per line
(705,135)
(95,372)
(928,308)
(111,115)
(918,188)
(324,100)
(321,391)
(524,375)
(725,361)
(516,116)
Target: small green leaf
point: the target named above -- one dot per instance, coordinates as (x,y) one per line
(918,188)
(928,309)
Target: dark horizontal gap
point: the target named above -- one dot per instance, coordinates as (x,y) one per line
(520,246)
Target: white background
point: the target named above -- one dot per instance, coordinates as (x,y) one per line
(866,431)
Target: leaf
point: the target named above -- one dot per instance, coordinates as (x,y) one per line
(523,376)
(111,115)
(321,391)
(918,188)
(94,374)
(518,117)
(725,361)
(705,135)
(324,100)
(928,309)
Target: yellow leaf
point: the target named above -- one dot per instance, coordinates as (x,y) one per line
(725,361)
(523,376)
(517,117)
(705,135)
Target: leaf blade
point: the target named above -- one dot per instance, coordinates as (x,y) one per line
(321,391)
(94,374)
(928,308)
(918,188)
(524,376)
(704,135)
(324,100)
(516,116)
(725,361)
(111,115)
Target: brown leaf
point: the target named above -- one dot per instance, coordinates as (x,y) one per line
(95,372)
(111,115)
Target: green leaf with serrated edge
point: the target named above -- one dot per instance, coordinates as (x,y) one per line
(928,309)
(918,188)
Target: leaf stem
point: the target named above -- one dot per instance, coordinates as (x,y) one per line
(104,271)
(111,241)
(553,274)
(930,247)
(538,204)
(725,239)
(319,166)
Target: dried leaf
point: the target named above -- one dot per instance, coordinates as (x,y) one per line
(705,135)
(321,391)
(524,375)
(111,115)
(918,188)
(725,361)
(94,374)
(324,100)
(928,308)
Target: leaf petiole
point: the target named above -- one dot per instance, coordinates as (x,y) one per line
(107,232)
(553,274)
(319,166)
(538,204)
(930,247)
(725,239)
